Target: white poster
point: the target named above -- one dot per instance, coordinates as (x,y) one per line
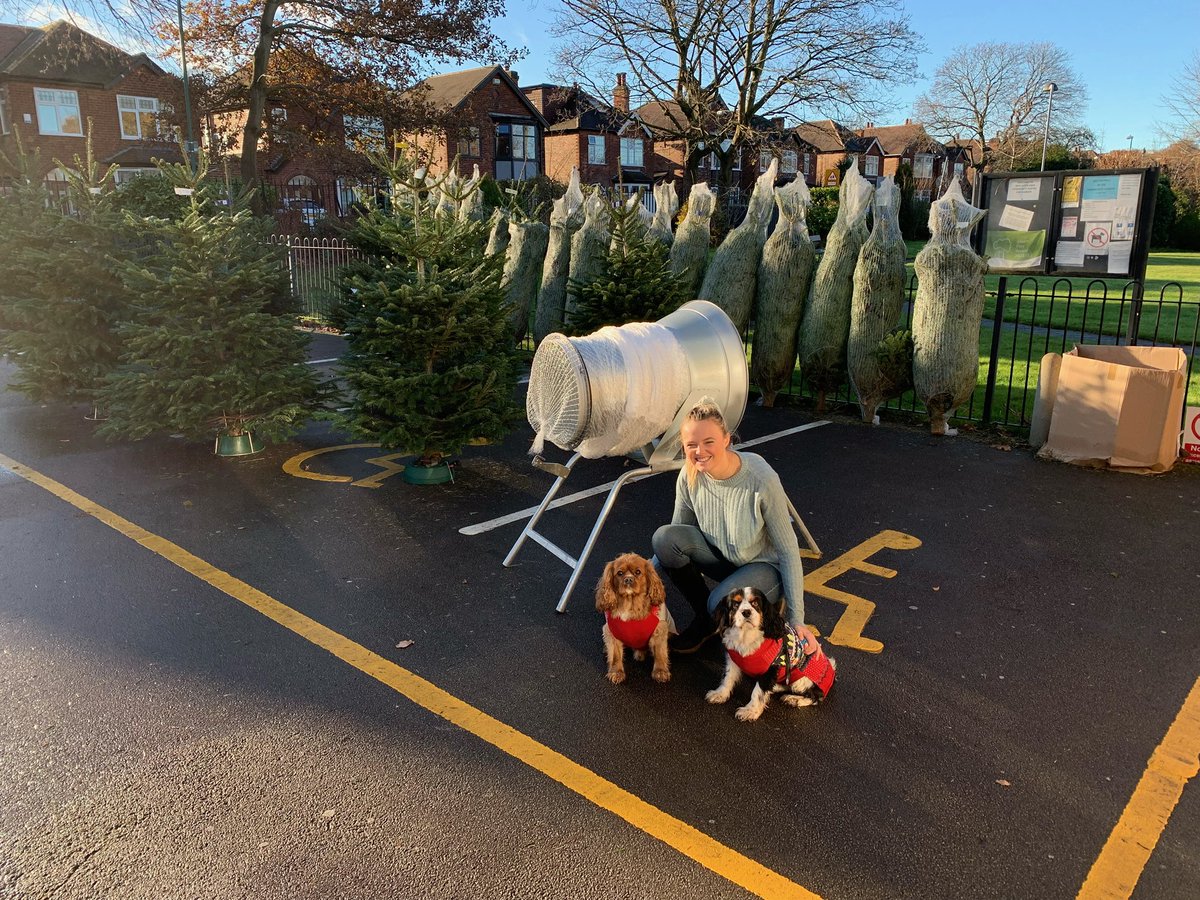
(1070,224)
(1024,189)
(1123,224)
(1096,238)
(1127,189)
(1096,210)
(1068,253)
(1016,218)
(1119,253)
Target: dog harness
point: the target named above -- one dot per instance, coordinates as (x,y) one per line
(787,657)
(633,633)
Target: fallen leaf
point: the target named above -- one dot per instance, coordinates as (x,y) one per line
(1003,782)
(329,813)
(187,503)
(404,645)
(937,587)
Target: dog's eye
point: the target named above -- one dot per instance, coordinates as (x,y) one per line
(637,571)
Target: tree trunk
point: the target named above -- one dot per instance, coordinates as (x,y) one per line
(253,130)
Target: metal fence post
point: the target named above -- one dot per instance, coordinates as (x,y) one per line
(1135,315)
(291,267)
(989,392)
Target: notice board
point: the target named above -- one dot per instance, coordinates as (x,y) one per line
(1090,223)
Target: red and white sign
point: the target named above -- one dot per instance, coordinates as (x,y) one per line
(1191,434)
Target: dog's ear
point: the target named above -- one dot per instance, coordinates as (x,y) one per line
(720,613)
(656,590)
(774,619)
(606,597)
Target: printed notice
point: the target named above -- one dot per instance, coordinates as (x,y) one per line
(1071,187)
(1024,189)
(1096,238)
(1128,187)
(1101,187)
(1070,224)
(1014,249)
(1016,218)
(1094,210)
(1068,253)
(1119,253)
(1123,224)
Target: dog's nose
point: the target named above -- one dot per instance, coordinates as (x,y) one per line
(745,613)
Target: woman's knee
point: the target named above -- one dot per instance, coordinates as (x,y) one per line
(670,546)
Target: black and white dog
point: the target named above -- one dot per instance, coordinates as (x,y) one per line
(761,644)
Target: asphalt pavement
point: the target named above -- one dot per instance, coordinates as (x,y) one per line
(168,732)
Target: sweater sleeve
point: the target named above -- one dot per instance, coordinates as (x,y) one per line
(684,513)
(778,523)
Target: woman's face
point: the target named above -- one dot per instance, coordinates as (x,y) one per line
(706,446)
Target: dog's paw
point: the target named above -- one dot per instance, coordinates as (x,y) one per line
(748,713)
(616,676)
(798,700)
(716,695)
(663,674)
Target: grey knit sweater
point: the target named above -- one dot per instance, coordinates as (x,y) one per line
(745,517)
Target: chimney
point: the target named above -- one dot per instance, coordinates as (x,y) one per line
(870,125)
(514,75)
(621,94)
(908,121)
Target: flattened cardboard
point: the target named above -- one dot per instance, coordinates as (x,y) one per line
(1112,406)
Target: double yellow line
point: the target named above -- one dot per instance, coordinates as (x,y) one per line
(741,870)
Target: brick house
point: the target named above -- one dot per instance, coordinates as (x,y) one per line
(56,79)
(832,144)
(932,162)
(612,147)
(493,125)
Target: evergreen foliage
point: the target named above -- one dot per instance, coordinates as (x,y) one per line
(62,296)
(206,350)
(637,284)
(430,360)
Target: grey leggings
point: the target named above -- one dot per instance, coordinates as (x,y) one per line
(677,545)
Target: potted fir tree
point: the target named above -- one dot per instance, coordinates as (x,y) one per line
(429,360)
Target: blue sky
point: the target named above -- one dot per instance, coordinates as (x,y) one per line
(1127,53)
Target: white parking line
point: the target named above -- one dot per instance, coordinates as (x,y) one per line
(317,362)
(491,524)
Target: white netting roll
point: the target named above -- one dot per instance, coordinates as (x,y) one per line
(609,393)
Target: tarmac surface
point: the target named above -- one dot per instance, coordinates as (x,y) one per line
(204,691)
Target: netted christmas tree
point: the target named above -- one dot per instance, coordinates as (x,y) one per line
(59,276)
(429,360)
(207,350)
(636,284)
(689,252)
(566,217)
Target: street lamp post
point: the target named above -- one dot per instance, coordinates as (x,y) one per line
(187,94)
(1129,137)
(1050,87)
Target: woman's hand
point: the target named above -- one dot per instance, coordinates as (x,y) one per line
(808,639)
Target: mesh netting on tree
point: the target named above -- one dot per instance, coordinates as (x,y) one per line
(666,204)
(589,248)
(689,252)
(566,217)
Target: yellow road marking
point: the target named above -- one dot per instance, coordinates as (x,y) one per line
(849,629)
(295,466)
(691,842)
(1176,760)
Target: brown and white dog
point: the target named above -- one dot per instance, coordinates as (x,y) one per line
(632,598)
(761,644)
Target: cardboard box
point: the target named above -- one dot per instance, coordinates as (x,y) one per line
(1191,434)
(1111,406)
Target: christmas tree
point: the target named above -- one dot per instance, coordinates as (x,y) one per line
(207,350)
(430,361)
(63,295)
(637,284)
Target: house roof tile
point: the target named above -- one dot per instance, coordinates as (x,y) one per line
(62,52)
(897,140)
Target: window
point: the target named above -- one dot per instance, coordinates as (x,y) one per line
(363,133)
(923,194)
(713,162)
(870,165)
(3,110)
(126,174)
(58,112)
(737,161)
(959,168)
(139,117)
(516,152)
(631,153)
(923,166)
(595,149)
(789,162)
(808,160)
(469,143)
(764,160)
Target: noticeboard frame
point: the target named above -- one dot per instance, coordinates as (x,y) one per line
(1143,220)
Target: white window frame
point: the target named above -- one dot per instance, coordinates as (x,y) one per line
(469,144)
(923,165)
(870,165)
(126,174)
(140,106)
(56,101)
(630,159)
(595,150)
(737,161)
(959,169)
(764,160)
(789,162)
(371,133)
(4,110)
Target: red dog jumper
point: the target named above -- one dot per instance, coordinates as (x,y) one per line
(788,659)
(633,633)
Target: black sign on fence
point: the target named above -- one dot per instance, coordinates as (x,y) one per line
(1091,223)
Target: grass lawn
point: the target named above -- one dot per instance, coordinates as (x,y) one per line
(1091,307)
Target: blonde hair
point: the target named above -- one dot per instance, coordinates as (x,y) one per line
(704,411)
